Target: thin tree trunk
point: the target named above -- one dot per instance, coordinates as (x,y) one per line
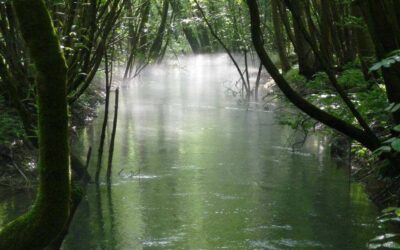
(279,37)
(105,121)
(114,130)
(223,45)
(258,81)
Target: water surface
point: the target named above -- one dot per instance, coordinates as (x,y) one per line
(194,169)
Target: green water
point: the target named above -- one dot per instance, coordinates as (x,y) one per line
(195,170)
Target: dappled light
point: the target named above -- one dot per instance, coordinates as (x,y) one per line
(193,124)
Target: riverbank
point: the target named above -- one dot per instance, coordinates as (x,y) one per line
(209,159)
(18,157)
(195,168)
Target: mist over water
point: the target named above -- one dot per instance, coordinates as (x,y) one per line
(193,169)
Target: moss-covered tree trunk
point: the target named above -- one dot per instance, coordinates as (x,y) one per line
(38,227)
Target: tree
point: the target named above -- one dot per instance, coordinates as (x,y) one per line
(307,60)
(279,36)
(363,136)
(383,25)
(38,227)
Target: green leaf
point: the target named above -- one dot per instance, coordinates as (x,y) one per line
(389,210)
(384,237)
(397,212)
(388,62)
(388,141)
(394,52)
(374,246)
(391,245)
(396,220)
(390,107)
(383,149)
(395,108)
(397,128)
(375,67)
(396,144)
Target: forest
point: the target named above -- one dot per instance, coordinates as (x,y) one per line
(199,124)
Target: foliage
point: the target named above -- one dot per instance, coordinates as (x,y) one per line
(370,101)
(351,78)
(11,128)
(390,217)
(294,77)
(390,146)
(85,107)
(392,58)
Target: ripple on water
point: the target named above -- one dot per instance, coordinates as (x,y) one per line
(186,167)
(291,151)
(138,178)
(131,175)
(226,197)
(145,177)
(269,227)
(161,242)
(188,194)
(286,243)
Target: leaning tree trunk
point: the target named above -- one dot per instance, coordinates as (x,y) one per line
(367,139)
(38,227)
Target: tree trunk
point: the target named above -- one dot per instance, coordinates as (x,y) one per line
(279,37)
(365,46)
(303,50)
(37,228)
(386,35)
(187,30)
(366,139)
(326,31)
(157,44)
(113,133)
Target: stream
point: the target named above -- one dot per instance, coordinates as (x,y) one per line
(195,169)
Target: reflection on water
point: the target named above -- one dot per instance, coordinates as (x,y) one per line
(193,170)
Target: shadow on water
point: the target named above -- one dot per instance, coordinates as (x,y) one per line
(195,170)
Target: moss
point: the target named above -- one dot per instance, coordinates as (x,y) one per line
(37,228)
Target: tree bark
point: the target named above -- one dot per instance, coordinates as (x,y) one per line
(38,227)
(303,50)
